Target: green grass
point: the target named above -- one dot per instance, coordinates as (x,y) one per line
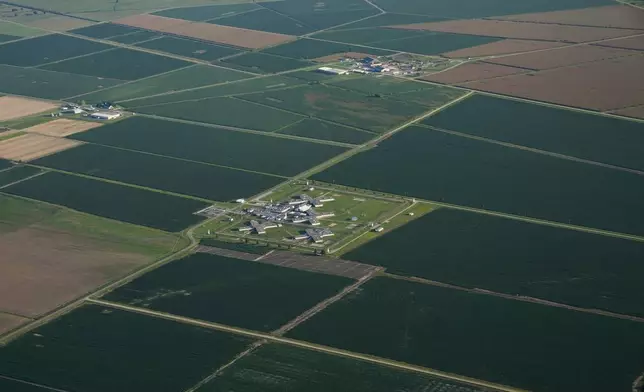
(384,85)
(25,122)
(312,49)
(103,350)
(216,288)
(16,173)
(267,63)
(525,345)
(321,130)
(200,14)
(189,48)
(45,49)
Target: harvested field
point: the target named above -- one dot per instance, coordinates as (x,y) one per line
(562,57)
(505,46)
(618,16)
(323,265)
(32,146)
(104,30)
(59,23)
(9,322)
(635,43)
(635,111)
(471,72)
(16,107)
(507,29)
(62,127)
(601,85)
(338,56)
(207,31)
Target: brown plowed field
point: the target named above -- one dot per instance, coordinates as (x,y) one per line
(521,30)
(253,39)
(9,322)
(563,57)
(601,85)
(59,23)
(635,43)
(42,269)
(636,112)
(338,56)
(619,16)
(32,146)
(472,72)
(16,107)
(62,127)
(506,46)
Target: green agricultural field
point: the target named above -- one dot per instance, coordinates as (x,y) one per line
(311,75)
(104,30)
(514,257)
(435,43)
(6,38)
(38,83)
(173,175)
(239,87)
(573,133)
(382,84)
(18,386)
(342,106)
(185,78)
(137,37)
(190,48)
(452,169)
(522,344)
(278,368)
(104,350)
(267,63)
(120,63)
(369,36)
(236,246)
(4,164)
(433,97)
(225,111)
(45,49)
(312,49)
(280,156)
(297,8)
(25,122)
(17,173)
(325,20)
(266,20)
(126,204)
(203,13)
(391,19)
(18,31)
(316,129)
(230,291)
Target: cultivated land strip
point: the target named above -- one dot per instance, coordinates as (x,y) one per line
(311,346)
(21,180)
(33,384)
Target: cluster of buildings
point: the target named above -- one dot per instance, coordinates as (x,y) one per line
(406,66)
(101,111)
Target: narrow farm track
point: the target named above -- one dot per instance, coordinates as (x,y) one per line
(21,180)
(41,386)
(311,346)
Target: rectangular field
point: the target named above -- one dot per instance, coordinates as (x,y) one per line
(122,203)
(17,173)
(322,265)
(597,138)
(619,16)
(312,49)
(214,288)
(104,350)
(62,127)
(497,178)
(32,146)
(16,107)
(47,48)
(505,46)
(266,20)
(321,130)
(134,38)
(277,368)
(635,43)
(206,12)
(174,175)
(267,63)
(514,257)
(120,63)
(7,323)
(473,71)
(104,30)
(532,345)
(189,48)
(261,153)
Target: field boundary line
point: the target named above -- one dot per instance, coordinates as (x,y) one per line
(33,384)
(231,14)
(380,12)
(73,58)
(23,179)
(16,314)
(306,345)
(514,297)
(532,149)
(363,46)
(283,15)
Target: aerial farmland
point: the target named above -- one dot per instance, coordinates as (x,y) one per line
(321,195)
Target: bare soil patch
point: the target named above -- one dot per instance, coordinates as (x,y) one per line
(634,43)
(635,111)
(618,16)
(563,57)
(9,322)
(522,30)
(506,46)
(16,107)
(42,269)
(235,36)
(471,72)
(601,85)
(32,146)
(339,56)
(59,23)
(62,127)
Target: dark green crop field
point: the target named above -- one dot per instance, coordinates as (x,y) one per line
(383,85)
(597,138)
(514,257)
(321,130)
(392,19)
(249,151)
(6,37)
(237,246)
(185,78)
(279,368)
(265,20)
(225,111)
(105,350)
(4,164)
(18,386)
(342,106)
(312,49)
(199,14)
(122,203)
(38,83)
(136,37)
(189,48)
(515,343)
(104,30)
(433,97)
(305,7)
(16,173)
(311,75)
(267,63)
(120,63)
(45,49)
(369,36)
(230,291)
(436,166)
(324,20)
